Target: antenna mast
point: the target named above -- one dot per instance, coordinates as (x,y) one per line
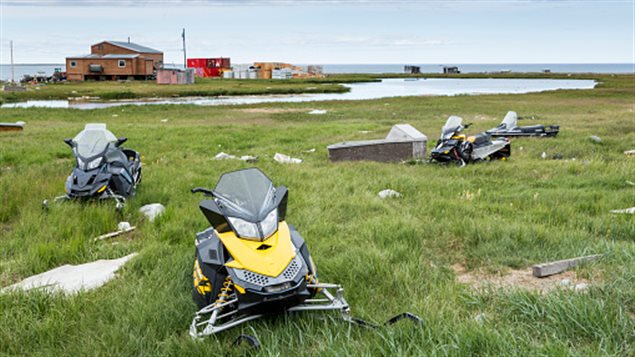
(184,52)
(12,71)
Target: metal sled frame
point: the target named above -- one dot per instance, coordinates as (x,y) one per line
(222,320)
(121,200)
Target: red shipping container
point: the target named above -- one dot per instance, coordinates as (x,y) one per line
(196,62)
(212,72)
(225,63)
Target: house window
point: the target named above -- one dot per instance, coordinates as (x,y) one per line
(73,64)
(122,63)
(100,47)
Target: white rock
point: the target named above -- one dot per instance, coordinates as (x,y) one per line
(115,115)
(152,210)
(630,183)
(248,158)
(565,282)
(581,287)
(122,226)
(284,159)
(480,318)
(625,210)
(317,112)
(310,150)
(73,278)
(388,193)
(596,139)
(543,155)
(222,156)
(629,152)
(164,120)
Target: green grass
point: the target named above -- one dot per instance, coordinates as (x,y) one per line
(390,256)
(204,87)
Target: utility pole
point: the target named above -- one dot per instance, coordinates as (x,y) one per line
(184,53)
(12,71)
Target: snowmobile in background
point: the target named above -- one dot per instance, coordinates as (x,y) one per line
(509,127)
(454,146)
(103,169)
(251,263)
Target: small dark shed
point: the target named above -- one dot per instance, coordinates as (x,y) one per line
(451,70)
(412,69)
(403,142)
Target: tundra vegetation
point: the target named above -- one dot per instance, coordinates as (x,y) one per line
(390,255)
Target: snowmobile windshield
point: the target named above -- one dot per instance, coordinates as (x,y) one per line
(248,193)
(510,121)
(93,140)
(451,125)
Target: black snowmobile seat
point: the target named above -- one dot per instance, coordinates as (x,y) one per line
(480,139)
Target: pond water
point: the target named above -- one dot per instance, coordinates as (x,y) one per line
(394,87)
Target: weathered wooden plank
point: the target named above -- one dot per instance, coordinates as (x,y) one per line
(551,268)
(114,234)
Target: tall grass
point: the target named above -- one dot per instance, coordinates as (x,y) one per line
(390,255)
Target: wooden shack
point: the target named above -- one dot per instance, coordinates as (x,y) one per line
(412,69)
(175,76)
(403,142)
(113,60)
(451,70)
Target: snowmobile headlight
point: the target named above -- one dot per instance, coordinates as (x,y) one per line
(270,224)
(278,288)
(93,164)
(243,228)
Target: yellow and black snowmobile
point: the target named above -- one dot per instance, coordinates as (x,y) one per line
(250,262)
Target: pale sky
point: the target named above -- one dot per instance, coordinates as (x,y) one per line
(329,31)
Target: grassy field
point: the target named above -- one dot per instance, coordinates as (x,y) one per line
(390,255)
(204,87)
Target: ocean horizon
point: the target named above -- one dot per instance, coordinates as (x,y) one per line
(48,68)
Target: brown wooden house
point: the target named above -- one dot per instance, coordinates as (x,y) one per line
(113,60)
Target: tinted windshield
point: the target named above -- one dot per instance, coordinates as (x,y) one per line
(93,140)
(248,191)
(510,120)
(451,125)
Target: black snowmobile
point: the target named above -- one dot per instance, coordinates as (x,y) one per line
(454,146)
(251,263)
(509,127)
(103,168)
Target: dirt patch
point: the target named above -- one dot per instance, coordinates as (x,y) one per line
(519,279)
(271,110)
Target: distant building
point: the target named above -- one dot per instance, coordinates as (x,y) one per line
(175,76)
(209,67)
(451,70)
(113,60)
(412,69)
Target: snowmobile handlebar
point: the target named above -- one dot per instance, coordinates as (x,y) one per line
(204,190)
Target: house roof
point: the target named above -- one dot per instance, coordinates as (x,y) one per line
(106,56)
(134,47)
(111,55)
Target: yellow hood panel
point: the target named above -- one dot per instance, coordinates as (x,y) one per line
(271,261)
